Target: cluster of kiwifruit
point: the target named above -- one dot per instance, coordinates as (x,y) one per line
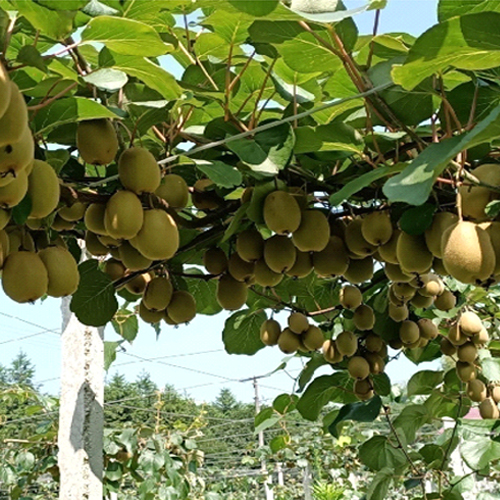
(300,335)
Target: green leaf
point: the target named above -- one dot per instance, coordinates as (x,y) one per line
(279,442)
(469,42)
(149,73)
(322,390)
(416,220)
(432,454)
(452,8)
(285,403)
(478,451)
(492,209)
(110,353)
(378,488)
(234,225)
(413,185)
(491,369)
(125,36)
(361,182)
(411,418)
(257,8)
(332,137)
(382,384)
(307,372)
(269,151)
(221,173)
(335,15)
(204,292)
(265,419)
(94,303)
(107,79)
(69,110)
(22,210)
(241,334)
(114,471)
(126,324)
(30,56)
(378,452)
(363,411)
(424,382)
(53,24)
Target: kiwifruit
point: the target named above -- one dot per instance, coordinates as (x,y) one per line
(413,254)
(204,196)
(14,120)
(495,393)
(409,332)
(363,317)
(174,190)
(363,389)
(333,260)
(331,352)
(34,224)
(96,141)
(359,270)
(43,188)
(13,193)
(467,352)
(377,228)
(403,291)
(4,218)
(105,239)
(270,331)
(393,299)
(73,212)
(182,307)
(302,267)
(264,276)
(475,198)
(138,170)
(465,371)
(138,283)
(493,230)
(158,238)
(347,343)
(481,338)
(427,328)
(94,246)
(395,273)
(168,320)
(133,259)
(239,269)
(421,302)
(445,301)
(114,269)
(59,224)
(300,196)
(149,316)
(215,260)
(350,297)
(250,245)
(289,342)
(358,367)
(398,313)
(123,216)
(94,218)
(377,364)
(312,338)
(448,348)
(24,277)
(158,293)
(373,342)
(383,351)
(470,323)
(388,251)
(433,234)
(438,266)
(468,254)
(281,212)
(456,336)
(488,409)
(313,233)
(476,390)
(297,322)
(15,157)
(62,271)
(396,344)
(4,246)
(432,285)
(5,90)
(354,240)
(231,294)
(279,253)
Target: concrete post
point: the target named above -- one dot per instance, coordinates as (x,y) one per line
(81,419)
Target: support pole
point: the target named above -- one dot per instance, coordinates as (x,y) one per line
(81,420)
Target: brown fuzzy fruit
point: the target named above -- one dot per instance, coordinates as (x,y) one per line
(355,241)
(488,409)
(138,283)
(313,338)
(447,348)
(215,261)
(466,371)
(96,141)
(347,343)
(413,254)
(331,352)
(250,245)
(149,316)
(363,389)
(279,253)
(476,390)
(433,234)
(43,188)
(395,273)
(364,318)
(15,118)
(470,323)
(377,228)
(158,293)
(62,271)
(139,171)
(16,157)
(398,313)
(467,352)
(428,330)
(94,218)
(350,297)
(231,294)
(289,342)
(265,276)
(182,307)
(373,342)
(445,301)
(281,212)
(359,270)
(409,332)
(358,367)
(297,322)
(114,269)
(239,269)
(5,90)
(302,267)
(313,233)
(377,364)
(333,260)
(174,190)
(270,331)
(13,193)
(388,252)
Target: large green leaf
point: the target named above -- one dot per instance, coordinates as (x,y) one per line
(125,36)
(204,292)
(362,411)
(94,303)
(221,173)
(480,444)
(424,382)
(414,184)
(410,420)
(241,334)
(452,8)
(378,452)
(332,137)
(69,110)
(468,42)
(126,325)
(378,488)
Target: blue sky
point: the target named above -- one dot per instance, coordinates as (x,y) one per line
(189,357)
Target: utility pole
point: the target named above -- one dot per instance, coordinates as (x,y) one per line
(263,467)
(81,420)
